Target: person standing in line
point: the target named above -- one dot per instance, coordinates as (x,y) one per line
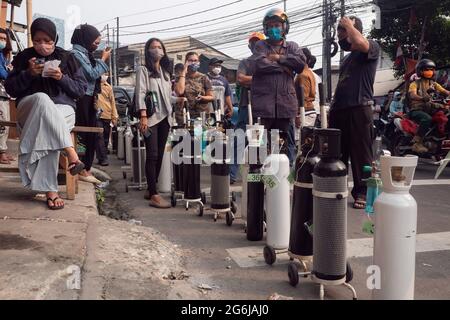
(219,81)
(108,118)
(244,79)
(86,40)
(153,83)
(274,65)
(5,67)
(351,108)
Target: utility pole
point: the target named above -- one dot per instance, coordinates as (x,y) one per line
(108,45)
(285,6)
(326,62)
(113,58)
(29,21)
(342,15)
(422,39)
(117,53)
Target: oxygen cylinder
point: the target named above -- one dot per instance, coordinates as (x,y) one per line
(128,143)
(330,192)
(301,241)
(277,169)
(220,176)
(121,143)
(191,169)
(138,151)
(396,230)
(244,197)
(165,175)
(177,168)
(255,206)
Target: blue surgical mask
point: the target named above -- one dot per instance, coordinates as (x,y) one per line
(2,45)
(194,67)
(275,34)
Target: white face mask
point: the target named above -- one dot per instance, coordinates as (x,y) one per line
(217,71)
(104,78)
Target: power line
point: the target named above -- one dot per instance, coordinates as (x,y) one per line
(182,17)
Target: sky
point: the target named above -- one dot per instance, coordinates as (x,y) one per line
(224,24)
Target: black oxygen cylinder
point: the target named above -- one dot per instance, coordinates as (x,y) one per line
(220,178)
(191,172)
(177,170)
(330,193)
(255,204)
(115,140)
(301,240)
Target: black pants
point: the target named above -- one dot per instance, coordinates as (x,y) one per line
(86,116)
(283,125)
(356,125)
(155,146)
(103,140)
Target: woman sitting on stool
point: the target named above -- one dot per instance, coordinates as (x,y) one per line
(45,110)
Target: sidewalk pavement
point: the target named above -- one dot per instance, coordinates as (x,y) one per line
(45,254)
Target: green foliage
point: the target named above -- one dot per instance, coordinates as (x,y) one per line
(396,29)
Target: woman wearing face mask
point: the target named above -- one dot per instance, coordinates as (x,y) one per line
(154,78)
(86,40)
(45,110)
(194,86)
(5,55)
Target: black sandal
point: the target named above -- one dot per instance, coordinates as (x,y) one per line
(54,207)
(76,168)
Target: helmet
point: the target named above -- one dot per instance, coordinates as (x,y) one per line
(425,64)
(256,35)
(278,15)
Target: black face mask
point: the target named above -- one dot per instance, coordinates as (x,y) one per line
(345,45)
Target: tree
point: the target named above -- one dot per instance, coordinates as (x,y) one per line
(402,23)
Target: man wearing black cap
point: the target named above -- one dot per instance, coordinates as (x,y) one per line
(217,80)
(351,109)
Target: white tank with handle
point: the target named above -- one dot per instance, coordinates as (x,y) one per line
(396,230)
(276,170)
(165,175)
(128,145)
(121,143)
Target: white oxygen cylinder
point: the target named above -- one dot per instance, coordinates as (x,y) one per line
(121,143)
(165,175)
(278,198)
(128,145)
(396,230)
(244,198)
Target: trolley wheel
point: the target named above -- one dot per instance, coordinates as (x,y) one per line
(234,196)
(230,219)
(124,175)
(127,189)
(270,256)
(201,211)
(173,200)
(293,274)
(349,273)
(204,198)
(233,207)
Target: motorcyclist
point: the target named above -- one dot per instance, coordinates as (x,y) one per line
(422,107)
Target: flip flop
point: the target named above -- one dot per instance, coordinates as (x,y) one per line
(76,168)
(54,207)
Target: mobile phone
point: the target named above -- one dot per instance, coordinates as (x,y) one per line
(39,61)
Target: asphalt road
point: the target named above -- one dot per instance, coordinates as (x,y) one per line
(207,260)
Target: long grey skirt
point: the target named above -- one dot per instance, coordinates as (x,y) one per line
(44,131)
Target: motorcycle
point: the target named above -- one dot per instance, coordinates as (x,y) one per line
(400,131)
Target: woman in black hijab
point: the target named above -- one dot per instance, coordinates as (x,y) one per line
(86,40)
(46,103)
